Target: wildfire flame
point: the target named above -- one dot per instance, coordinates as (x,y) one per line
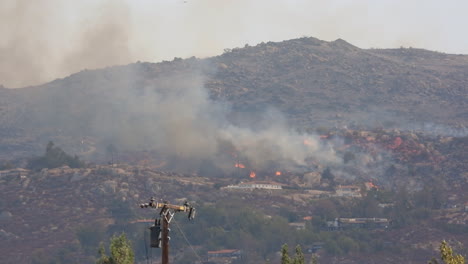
(396,143)
(252,174)
(371,185)
(307,142)
(278,173)
(239,165)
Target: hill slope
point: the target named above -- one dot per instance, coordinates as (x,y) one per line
(313,82)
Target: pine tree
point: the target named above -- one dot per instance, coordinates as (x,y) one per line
(314,260)
(285,259)
(299,258)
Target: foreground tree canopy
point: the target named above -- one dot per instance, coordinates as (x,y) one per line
(121,251)
(286,259)
(447,255)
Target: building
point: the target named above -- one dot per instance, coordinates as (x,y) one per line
(346,223)
(298,225)
(348,191)
(256,185)
(225,256)
(18,172)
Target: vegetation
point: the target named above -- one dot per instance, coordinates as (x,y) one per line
(231,223)
(54,157)
(447,255)
(286,259)
(121,251)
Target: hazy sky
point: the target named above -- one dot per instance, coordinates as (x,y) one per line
(46,39)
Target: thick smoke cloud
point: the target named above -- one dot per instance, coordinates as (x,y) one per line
(177,118)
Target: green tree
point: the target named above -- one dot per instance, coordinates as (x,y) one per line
(314,260)
(299,258)
(54,157)
(447,256)
(121,251)
(285,259)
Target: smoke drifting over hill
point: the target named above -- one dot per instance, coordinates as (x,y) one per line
(179,119)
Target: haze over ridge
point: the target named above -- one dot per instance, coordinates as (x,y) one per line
(45,40)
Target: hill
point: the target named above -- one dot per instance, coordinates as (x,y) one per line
(312,82)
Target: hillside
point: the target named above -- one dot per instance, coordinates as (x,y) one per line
(62,214)
(347,133)
(313,82)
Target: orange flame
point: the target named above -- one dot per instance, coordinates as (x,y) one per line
(252,174)
(278,173)
(308,142)
(239,165)
(396,142)
(371,185)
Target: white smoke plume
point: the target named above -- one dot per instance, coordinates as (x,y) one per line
(177,118)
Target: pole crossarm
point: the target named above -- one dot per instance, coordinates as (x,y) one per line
(156,205)
(165,206)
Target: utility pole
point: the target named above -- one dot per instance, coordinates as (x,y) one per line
(160,235)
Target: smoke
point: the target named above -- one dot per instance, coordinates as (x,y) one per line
(43,40)
(47,39)
(432,129)
(176,117)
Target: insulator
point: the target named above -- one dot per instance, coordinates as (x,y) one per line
(192,213)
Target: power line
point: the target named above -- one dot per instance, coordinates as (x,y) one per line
(146,246)
(186,240)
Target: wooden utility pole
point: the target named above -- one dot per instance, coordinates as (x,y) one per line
(165,242)
(166,214)
(165,236)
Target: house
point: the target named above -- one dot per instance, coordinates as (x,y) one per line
(370,223)
(225,256)
(298,225)
(18,172)
(256,185)
(348,191)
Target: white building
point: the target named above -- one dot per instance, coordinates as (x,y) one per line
(348,191)
(256,185)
